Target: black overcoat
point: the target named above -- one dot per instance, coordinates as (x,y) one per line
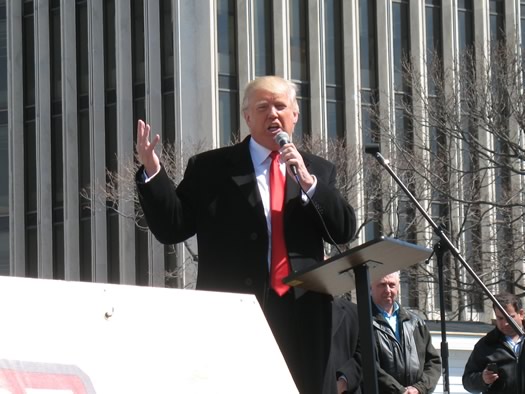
(219,201)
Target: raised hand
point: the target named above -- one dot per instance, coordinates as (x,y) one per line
(146,149)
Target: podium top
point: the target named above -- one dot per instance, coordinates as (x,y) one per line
(335,275)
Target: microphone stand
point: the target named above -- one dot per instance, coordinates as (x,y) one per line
(443,245)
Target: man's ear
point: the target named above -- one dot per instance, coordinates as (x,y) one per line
(246,117)
(295,117)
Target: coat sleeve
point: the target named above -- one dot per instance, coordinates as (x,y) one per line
(345,348)
(472,379)
(169,211)
(432,366)
(351,368)
(387,383)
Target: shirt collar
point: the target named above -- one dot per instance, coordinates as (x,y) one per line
(510,340)
(258,152)
(386,314)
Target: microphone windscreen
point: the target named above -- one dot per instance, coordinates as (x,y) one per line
(372,148)
(282,138)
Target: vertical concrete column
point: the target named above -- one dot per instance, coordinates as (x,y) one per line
(184,276)
(70,140)
(43,140)
(281,34)
(154,115)
(198,94)
(15,91)
(352,90)
(125,131)
(385,87)
(384,69)
(514,42)
(245,50)
(421,129)
(482,34)
(449,20)
(97,132)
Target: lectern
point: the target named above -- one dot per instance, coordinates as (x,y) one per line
(354,269)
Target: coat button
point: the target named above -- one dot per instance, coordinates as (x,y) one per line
(248,281)
(253,236)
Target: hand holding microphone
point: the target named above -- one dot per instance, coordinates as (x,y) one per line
(282,138)
(289,155)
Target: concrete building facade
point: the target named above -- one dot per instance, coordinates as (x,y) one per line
(81,73)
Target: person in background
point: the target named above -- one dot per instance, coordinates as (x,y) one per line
(407,362)
(496,364)
(257,221)
(345,353)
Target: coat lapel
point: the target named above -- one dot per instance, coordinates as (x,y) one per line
(243,175)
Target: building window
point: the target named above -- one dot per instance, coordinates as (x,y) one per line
(29,138)
(138,60)
(335,99)
(439,152)
(300,71)
(4,155)
(404,134)
(465,24)
(401,57)
(370,132)
(434,43)
(139,112)
(228,73)
(84,157)
(167,72)
(368,68)
(110,93)
(56,145)
(110,85)
(471,182)
(168,101)
(497,20)
(263,40)
(500,129)
(522,22)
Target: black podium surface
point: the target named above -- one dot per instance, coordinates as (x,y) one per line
(336,275)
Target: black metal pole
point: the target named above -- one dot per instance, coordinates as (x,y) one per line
(366,329)
(440,252)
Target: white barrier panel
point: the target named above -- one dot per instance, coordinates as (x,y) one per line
(82,338)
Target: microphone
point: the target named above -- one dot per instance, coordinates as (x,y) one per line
(372,148)
(282,138)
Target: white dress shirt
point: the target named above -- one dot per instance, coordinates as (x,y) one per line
(261,164)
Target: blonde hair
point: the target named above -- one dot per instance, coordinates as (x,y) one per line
(271,83)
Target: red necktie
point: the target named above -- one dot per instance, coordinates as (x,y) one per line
(279,268)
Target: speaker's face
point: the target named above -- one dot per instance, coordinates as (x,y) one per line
(268,113)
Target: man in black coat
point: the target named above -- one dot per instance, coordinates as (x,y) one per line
(496,365)
(345,352)
(224,200)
